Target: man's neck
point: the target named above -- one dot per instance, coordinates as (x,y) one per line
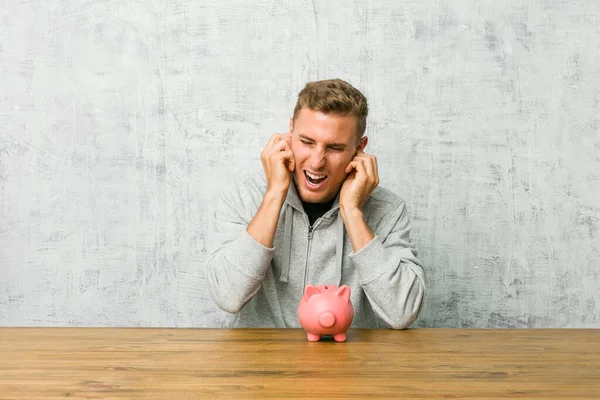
(316,210)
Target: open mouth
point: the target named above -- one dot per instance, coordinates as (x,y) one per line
(314,180)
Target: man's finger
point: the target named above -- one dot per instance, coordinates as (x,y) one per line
(362,154)
(274,149)
(369,159)
(376,168)
(369,168)
(283,145)
(290,153)
(361,169)
(350,166)
(277,147)
(274,139)
(288,157)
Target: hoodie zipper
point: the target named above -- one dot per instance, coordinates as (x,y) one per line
(310,236)
(310,233)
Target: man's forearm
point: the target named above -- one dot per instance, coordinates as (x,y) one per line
(264,224)
(359,232)
(390,274)
(243,251)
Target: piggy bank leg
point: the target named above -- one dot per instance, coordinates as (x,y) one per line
(313,338)
(340,337)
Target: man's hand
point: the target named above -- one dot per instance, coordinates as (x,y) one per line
(278,161)
(362,179)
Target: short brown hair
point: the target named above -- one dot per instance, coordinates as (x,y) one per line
(334,96)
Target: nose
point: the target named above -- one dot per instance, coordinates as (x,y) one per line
(327,319)
(317,159)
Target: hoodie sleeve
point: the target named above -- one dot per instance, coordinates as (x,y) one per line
(390,274)
(238,263)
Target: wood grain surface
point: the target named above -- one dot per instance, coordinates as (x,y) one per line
(126,363)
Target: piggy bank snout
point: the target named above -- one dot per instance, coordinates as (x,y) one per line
(327,319)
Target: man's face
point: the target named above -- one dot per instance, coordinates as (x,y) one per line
(323,146)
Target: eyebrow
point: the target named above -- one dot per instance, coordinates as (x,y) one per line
(341,145)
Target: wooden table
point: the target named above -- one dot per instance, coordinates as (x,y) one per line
(110,363)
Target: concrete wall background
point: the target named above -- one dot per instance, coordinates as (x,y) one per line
(120,120)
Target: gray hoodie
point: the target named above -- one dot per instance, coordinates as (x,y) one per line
(263,286)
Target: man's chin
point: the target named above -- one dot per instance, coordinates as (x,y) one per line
(308,196)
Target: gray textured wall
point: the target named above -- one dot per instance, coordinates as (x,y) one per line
(119,121)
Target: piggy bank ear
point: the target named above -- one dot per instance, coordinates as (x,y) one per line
(310,291)
(343,292)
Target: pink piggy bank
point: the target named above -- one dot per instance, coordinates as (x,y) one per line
(326,310)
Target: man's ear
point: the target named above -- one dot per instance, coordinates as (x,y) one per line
(291,124)
(362,143)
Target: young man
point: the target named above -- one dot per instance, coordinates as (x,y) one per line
(315,215)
